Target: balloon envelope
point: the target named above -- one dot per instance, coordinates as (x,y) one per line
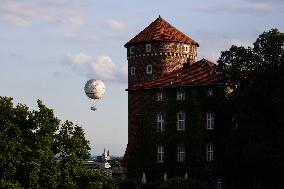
(94,89)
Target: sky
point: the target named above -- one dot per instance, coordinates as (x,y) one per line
(50,48)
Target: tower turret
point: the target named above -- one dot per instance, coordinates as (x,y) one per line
(160,48)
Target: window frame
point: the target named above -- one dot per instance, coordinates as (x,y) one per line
(180,95)
(210,120)
(186,48)
(209,152)
(160,96)
(148,47)
(132,71)
(180,122)
(181,153)
(149,71)
(160,153)
(160,122)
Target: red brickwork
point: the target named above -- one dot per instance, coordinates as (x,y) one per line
(164,57)
(163,47)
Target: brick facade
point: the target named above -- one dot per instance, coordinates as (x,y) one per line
(164,57)
(172,57)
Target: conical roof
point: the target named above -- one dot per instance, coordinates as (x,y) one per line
(160,30)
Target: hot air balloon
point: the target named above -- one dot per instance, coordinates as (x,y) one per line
(95,90)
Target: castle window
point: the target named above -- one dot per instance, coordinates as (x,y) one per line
(160,122)
(209,120)
(149,69)
(148,47)
(131,50)
(160,96)
(180,121)
(181,153)
(132,70)
(180,95)
(160,154)
(186,48)
(209,152)
(210,93)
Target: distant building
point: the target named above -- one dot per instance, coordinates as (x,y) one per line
(174,107)
(104,162)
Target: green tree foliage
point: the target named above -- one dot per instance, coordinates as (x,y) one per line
(255,77)
(37,152)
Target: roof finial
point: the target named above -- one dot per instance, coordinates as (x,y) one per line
(159,16)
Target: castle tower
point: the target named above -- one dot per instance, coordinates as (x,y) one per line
(160,48)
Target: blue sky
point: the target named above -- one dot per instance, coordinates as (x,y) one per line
(50,48)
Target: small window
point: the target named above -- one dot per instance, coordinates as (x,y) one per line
(132,70)
(180,95)
(186,48)
(181,121)
(148,47)
(209,120)
(131,50)
(210,93)
(149,69)
(209,152)
(160,122)
(160,96)
(160,154)
(181,153)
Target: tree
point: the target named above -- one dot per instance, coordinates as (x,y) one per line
(38,152)
(254,77)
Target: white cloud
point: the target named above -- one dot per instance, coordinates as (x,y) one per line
(26,13)
(114,24)
(104,68)
(79,59)
(101,67)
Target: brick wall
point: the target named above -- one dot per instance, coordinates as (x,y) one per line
(164,57)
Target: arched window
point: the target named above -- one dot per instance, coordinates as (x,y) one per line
(149,69)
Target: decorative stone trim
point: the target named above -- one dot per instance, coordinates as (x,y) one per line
(161,54)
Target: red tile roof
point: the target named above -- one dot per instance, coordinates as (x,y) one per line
(199,73)
(160,30)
